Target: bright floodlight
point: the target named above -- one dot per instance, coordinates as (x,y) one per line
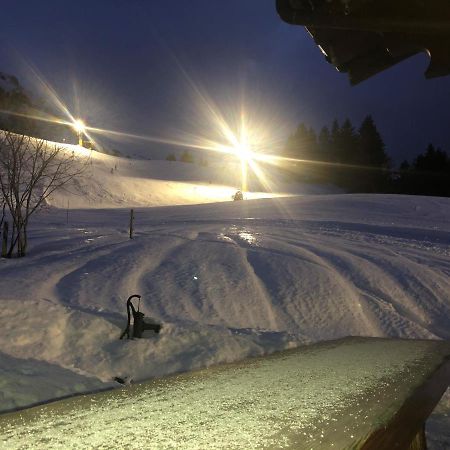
(243,151)
(79,126)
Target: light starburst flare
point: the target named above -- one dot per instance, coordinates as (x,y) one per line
(79,126)
(249,141)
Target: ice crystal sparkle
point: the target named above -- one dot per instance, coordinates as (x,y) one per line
(330,394)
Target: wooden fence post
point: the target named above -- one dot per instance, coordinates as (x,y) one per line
(5,239)
(131,223)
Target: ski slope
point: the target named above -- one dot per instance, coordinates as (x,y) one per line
(227,279)
(115,182)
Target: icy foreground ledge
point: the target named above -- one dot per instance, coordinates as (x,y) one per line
(54,351)
(329,395)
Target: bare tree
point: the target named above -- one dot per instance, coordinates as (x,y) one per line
(3,206)
(30,171)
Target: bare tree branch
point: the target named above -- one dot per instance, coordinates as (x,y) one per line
(30,171)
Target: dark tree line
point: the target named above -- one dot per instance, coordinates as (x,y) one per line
(428,174)
(188,157)
(19,113)
(24,114)
(354,159)
(14,99)
(185,157)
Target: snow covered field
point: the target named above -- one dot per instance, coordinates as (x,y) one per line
(227,280)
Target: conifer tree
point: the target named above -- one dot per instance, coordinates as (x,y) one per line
(302,143)
(373,154)
(372,146)
(335,136)
(434,160)
(405,166)
(349,144)
(324,144)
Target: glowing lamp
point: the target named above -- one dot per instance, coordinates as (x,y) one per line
(79,127)
(243,152)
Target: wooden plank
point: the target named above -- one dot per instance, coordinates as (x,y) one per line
(420,441)
(402,431)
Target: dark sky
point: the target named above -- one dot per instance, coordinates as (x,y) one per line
(118,62)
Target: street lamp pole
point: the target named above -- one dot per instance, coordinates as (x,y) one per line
(80,128)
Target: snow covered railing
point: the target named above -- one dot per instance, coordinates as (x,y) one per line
(359,393)
(405,427)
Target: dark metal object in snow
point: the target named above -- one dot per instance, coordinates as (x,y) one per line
(238,196)
(119,380)
(365,37)
(139,325)
(131,223)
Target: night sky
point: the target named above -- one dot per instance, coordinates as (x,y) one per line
(124,65)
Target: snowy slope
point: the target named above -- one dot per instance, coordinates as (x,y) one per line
(111,182)
(227,280)
(216,273)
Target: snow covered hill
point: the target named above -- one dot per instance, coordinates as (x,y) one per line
(111,182)
(227,280)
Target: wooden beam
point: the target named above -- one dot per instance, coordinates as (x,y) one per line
(401,433)
(420,441)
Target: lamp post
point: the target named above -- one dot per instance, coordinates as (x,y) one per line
(244,154)
(79,128)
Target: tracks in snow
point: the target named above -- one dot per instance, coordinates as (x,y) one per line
(322,280)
